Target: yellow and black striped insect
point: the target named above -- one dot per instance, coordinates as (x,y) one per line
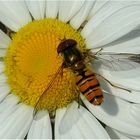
(85,79)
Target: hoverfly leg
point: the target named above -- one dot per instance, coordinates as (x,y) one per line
(79,100)
(113,84)
(88,56)
(99,51)
(86,53)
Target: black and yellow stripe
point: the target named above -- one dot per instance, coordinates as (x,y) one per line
(89,86)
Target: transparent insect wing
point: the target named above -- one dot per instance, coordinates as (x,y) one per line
(56,78)
(135,58)
(115,61)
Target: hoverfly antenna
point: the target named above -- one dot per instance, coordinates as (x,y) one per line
(62,39)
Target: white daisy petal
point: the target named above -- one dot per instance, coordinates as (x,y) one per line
(81,16)
(138,27)
(97,6)
(114,134)
(37,8)
(105,30)
(68,9)
(123,78)
(52,8)
(134,137)
(129,136)
(106,8)
(2,52)
(79,123)
(4,90)
(129,46)
(3,78)
(1,67)
(4,40)
(18,121)
(7,107)
(118,114)
(8,103)
(17,15)
(41,128)
(132,96)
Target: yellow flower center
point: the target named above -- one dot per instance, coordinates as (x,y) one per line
(32,62)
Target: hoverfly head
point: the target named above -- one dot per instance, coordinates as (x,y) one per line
(65,45)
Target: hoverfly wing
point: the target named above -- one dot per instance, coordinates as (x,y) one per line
(56,78)
(115,61)
(135,58)
(120,62)
(70,117)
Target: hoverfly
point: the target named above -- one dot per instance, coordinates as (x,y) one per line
(86,81)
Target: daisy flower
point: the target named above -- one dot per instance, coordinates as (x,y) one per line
(29,62)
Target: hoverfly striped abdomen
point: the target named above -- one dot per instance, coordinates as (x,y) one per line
(89,86)
(85,79)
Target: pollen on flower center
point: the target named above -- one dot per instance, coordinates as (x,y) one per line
(32,62)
